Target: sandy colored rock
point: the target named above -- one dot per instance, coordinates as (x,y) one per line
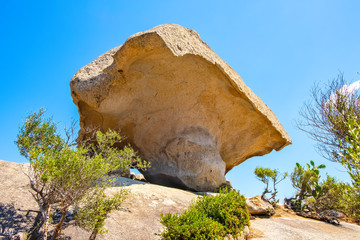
(181,106)
(142,211)
(258,206)
(140,177)
(297,228)
(17,206)
(15,185)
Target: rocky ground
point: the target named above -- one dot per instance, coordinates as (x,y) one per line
(138,219)
(285,224)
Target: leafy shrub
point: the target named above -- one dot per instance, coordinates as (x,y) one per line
(191,224)
(333,195)
(209,218)
(337,196)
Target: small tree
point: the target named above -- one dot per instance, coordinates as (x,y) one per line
(267,175)
(62,174)
(306,181)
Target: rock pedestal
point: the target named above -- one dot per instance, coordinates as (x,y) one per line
(176,102)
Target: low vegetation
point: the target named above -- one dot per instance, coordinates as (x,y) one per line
(316,198)
(209,218)
(336,196)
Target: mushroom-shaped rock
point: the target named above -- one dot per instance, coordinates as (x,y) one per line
(182,107)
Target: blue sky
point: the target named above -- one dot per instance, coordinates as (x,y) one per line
(279,48)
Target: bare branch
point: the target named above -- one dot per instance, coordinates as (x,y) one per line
(70,133)
(323,117)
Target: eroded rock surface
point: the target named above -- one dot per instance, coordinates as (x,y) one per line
(258,206)
(182,107)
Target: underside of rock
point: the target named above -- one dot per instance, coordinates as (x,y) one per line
(179,105)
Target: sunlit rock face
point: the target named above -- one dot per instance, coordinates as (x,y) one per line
(181,106)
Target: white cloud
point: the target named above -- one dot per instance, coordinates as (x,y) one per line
(345,90)
(350,89)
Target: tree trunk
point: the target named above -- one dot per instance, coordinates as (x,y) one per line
(301,195)
(265,191)
(58,227)
(46,221)
(273,195)
(93,235)
(35,228)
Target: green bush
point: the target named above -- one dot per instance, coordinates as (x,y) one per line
(191,224)
(337,196)
(209,218)
(333,196)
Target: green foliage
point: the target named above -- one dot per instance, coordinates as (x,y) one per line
(96,207)
(191,225)
(62,174)
(266,175)
(350,152)
(38,133)
(209,218)
(350,159)
(306,181)
(338,196)
(328,194)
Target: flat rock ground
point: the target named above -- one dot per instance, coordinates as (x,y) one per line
(286,225)
(138,218)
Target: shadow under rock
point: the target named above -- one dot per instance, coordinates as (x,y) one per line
(14,220)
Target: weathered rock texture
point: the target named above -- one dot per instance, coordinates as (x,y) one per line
(258,206)
(182,107)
